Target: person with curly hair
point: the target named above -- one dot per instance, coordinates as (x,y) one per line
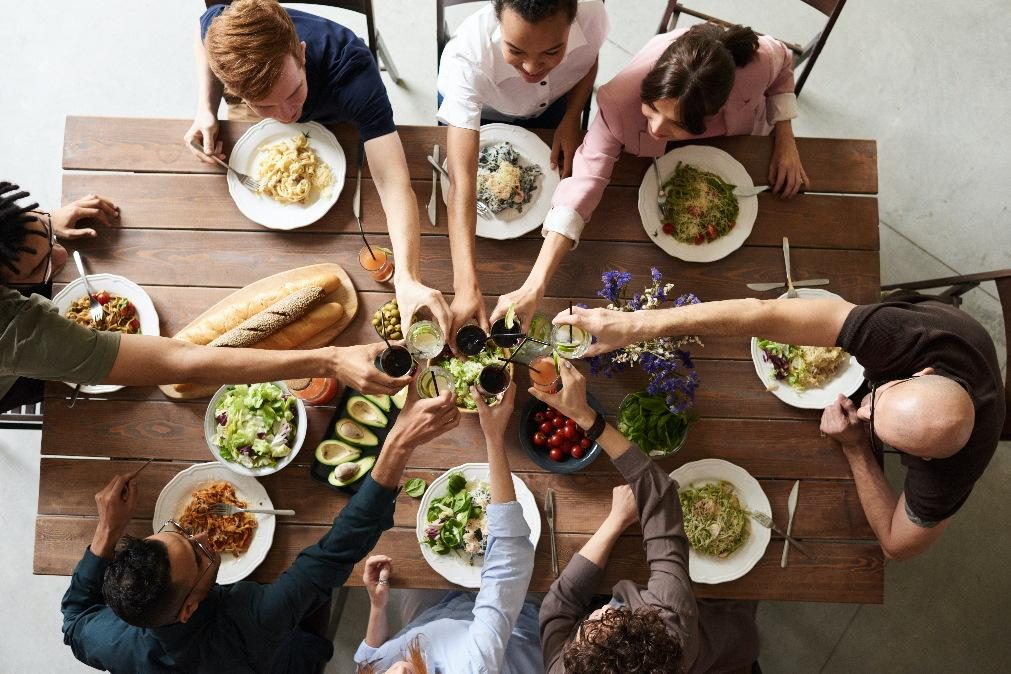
(659,628)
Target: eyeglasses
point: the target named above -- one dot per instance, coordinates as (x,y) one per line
(50,235)
(173,527)
(876,444)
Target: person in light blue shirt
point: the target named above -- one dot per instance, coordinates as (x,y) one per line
(493,631)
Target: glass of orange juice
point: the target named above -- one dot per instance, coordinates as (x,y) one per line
(544,374)
(378,262)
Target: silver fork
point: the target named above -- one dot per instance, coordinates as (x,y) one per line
(227,509)
(767,522)
(661,201)
(482,208)
(247,182)
(791,292)
(95,311)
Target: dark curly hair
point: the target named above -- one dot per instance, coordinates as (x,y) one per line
(138,583)
(14,221)
(535,11)
(624,641)
(698,69)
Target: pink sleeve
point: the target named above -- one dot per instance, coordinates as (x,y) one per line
(594,161)
(781,65)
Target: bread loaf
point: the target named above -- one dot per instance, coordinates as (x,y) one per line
(272,319)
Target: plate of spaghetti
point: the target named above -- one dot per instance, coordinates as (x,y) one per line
(705,221)
(242,540)
(300,169)
(127,309)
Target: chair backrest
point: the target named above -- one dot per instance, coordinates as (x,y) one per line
(441,29)
(359,6)
(1004,293)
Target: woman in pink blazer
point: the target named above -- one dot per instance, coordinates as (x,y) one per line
(690,83)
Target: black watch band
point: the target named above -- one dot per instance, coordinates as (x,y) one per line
(594,431)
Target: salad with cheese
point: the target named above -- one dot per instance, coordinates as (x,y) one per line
(255,425)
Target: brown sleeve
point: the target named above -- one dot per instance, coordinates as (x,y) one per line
(564,607)
(663,534)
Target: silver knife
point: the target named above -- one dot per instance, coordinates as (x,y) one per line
(791,509)
(549,508)
(761,287)
(435,188)
(749,191)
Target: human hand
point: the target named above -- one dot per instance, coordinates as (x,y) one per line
(495,418)
(840,422)
(355,366)
(467,305)
(624,511)
(525,298)
(91,207)
(412,295)
(115,503)
(378,569)
(564,145)
(423,420)
(612,329)
(571,399)
(786,173)
(204,132)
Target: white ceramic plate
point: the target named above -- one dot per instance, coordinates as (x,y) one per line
(176,495)
(262,209)
(454,567)
(510,223)
(709,568)
(846,381)
(114,285)
(708,159)
(211,424)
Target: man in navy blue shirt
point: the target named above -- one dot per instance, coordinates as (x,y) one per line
(297,67)
(152,605)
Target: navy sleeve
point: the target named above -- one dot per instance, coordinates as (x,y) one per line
(208,16)
(87,621)
(363,91)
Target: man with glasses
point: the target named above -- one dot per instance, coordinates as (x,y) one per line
(152,604)
(37,343)
(936,393)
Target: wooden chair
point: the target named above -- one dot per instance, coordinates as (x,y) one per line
(442,37)
(958,286)
(375,40)
(808,53)
(26,417)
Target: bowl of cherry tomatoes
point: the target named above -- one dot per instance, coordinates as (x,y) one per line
(555,442)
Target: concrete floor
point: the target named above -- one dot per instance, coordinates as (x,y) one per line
(925,79)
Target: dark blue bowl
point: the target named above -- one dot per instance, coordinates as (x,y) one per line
(539,455)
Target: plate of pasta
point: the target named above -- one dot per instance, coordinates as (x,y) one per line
(705,220)
(300,169)
(242,540)
(807,377)
(724,541)
(127,309)
(515,180)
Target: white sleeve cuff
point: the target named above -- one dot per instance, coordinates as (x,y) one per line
(780,107)
(461,116)
(364,653)
(565,221)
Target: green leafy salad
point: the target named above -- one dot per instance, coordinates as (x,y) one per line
(255,425)
(456,522)
(466,372)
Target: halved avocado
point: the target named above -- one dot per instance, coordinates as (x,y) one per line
(354,433)
(364,466)
(400,398)
(364,411)
(335,452)
(382,400)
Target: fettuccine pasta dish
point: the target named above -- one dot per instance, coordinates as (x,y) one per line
(288,170)
(118,313)
(225,534)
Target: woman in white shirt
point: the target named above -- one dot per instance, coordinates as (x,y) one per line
(524,62)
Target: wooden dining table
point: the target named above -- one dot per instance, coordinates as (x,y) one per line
(182,239)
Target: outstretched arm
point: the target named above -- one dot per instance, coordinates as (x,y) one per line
(462,149)
(204,130)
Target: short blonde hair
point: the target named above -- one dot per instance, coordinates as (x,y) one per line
(247,44)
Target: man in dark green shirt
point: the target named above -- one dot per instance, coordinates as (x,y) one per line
(154,606)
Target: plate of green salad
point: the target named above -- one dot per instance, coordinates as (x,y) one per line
(466,371)
(255,429)
(452,522)
(715,497)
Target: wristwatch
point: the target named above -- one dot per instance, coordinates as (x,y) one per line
(594,431)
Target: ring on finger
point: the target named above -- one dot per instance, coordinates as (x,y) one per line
(382,582)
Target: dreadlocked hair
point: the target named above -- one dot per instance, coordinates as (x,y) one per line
(14,221)
(413,654)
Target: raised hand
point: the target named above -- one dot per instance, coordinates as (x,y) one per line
(612,329)
(355,366)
